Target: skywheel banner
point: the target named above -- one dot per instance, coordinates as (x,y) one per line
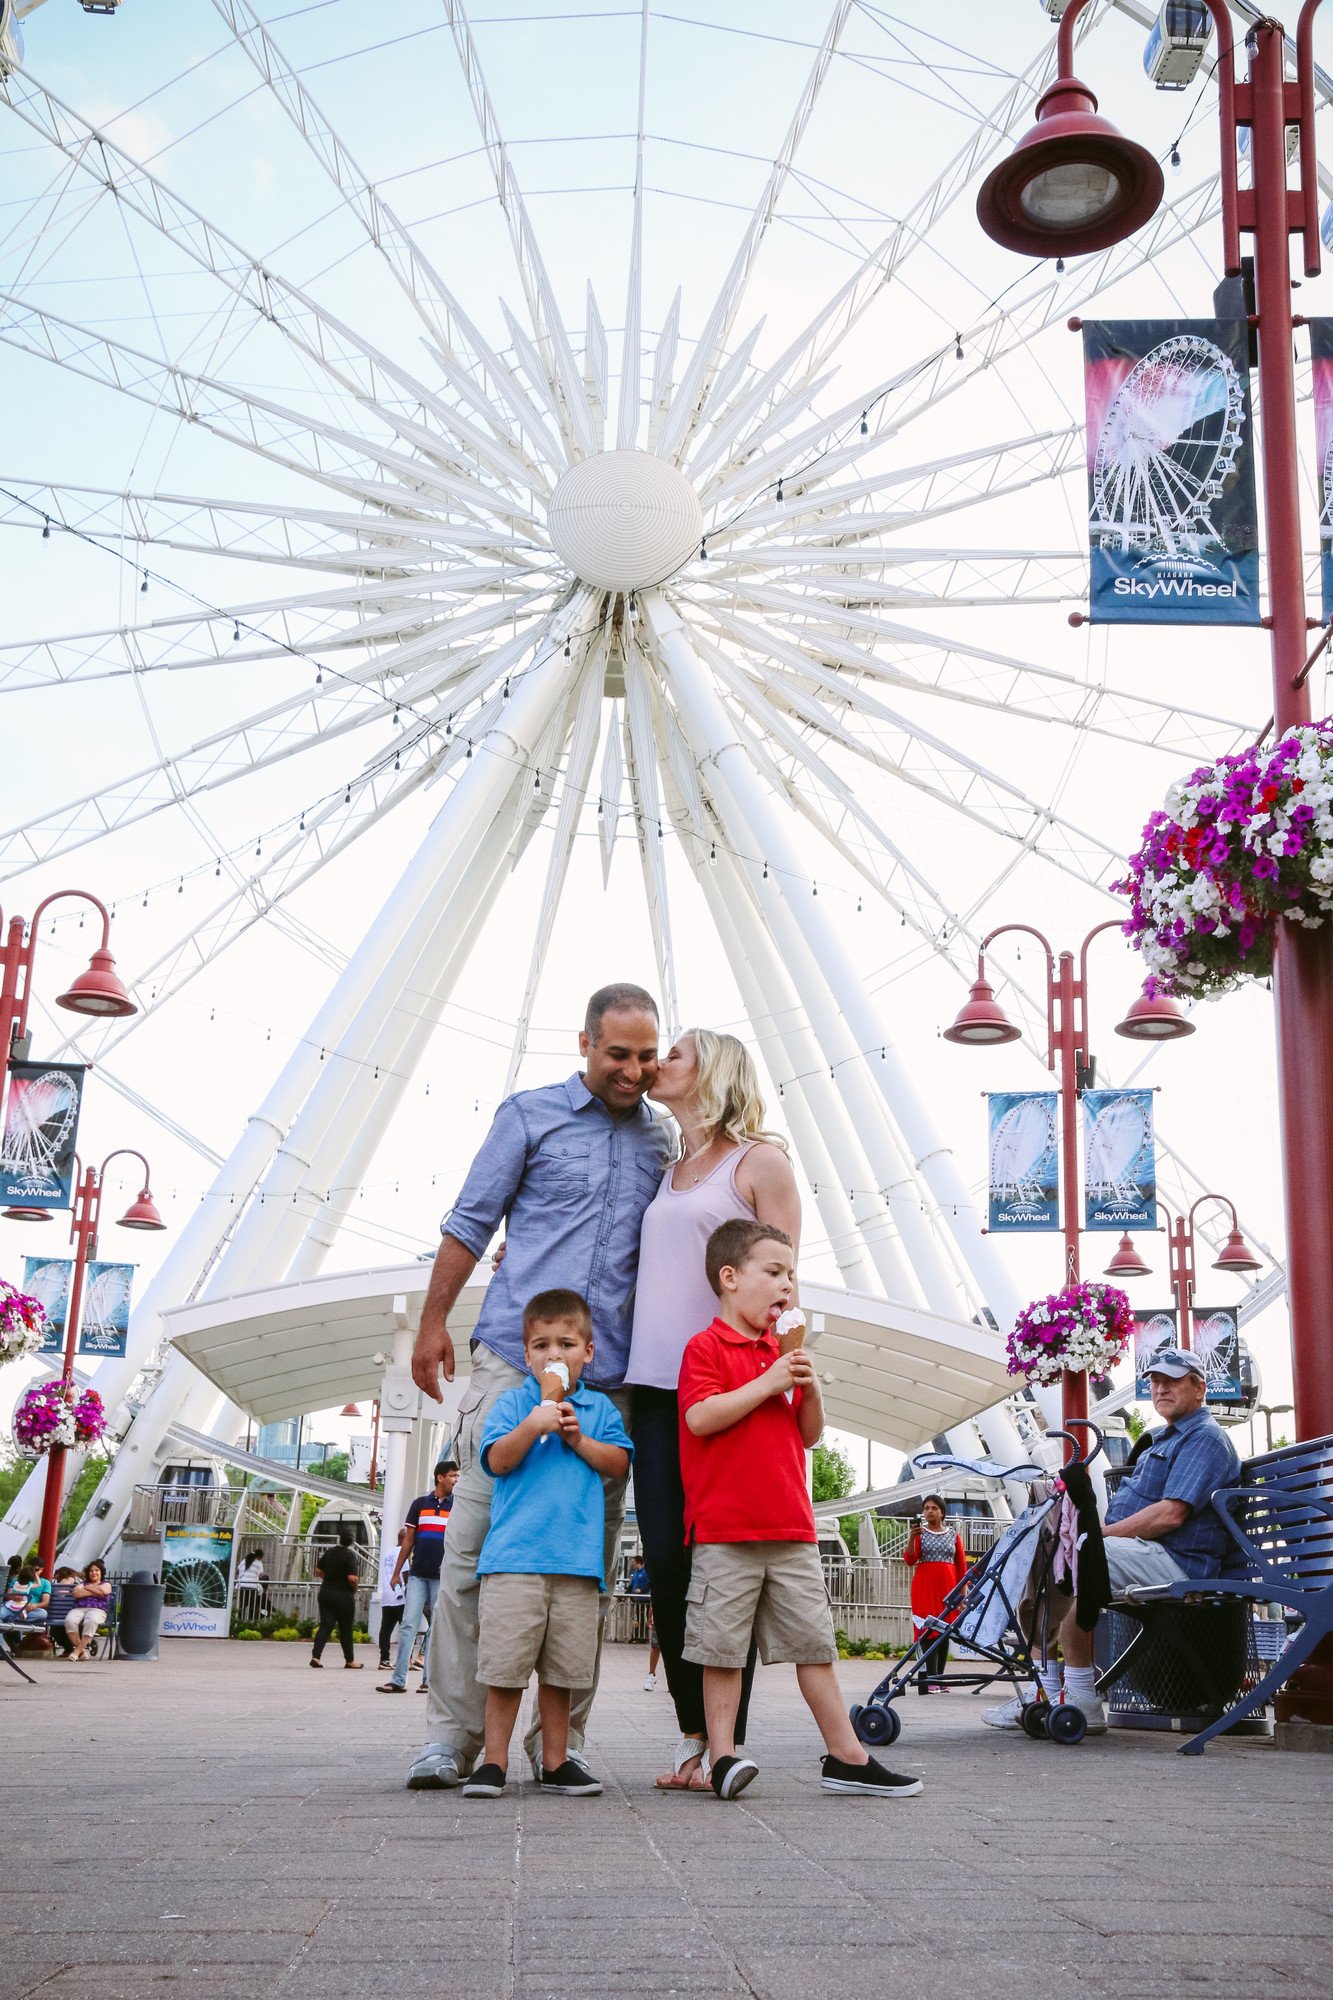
(1173,522)
(1321,357)
(40,1134)
(1024,1175)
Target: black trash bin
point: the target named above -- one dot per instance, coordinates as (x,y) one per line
(141,1598)
(1189,1665)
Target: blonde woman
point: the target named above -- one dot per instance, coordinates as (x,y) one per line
(727,1166)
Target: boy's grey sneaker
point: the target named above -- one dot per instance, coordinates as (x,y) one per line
(573,1779)
(870,1777)
(571,1757)
(437,1769)
(486,1782)
(730,1775)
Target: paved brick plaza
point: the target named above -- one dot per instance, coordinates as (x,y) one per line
(223,1825)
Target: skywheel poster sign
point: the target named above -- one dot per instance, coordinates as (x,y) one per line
(47,1279)
(1173,523)
(1216,1341)
(1024,1176)
(104,1323)
(1119,1160)
(196,1572)
(1321,358)
(1153,1330)
(41,1130)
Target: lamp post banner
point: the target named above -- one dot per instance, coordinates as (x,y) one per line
(1217,1344)
(1023,1154)
(1119,1160)
(1173,519)
(1321,359)
(104,1323)
(1153,1330)
(41,1132)
(47,1279)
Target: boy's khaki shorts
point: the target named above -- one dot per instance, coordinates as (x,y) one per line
(546,1622)
(773,1590)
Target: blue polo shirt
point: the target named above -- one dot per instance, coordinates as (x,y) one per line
(548,1516)
(571,1182)
(1189,1461)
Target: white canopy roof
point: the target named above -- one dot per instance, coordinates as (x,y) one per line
(889,1373)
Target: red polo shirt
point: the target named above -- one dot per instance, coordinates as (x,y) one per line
(747,1483)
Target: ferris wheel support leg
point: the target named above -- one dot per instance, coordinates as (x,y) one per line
(835,1166)
(933,1162)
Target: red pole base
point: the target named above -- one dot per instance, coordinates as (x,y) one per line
(52,1502)
(1073,1403)
(1308,1695)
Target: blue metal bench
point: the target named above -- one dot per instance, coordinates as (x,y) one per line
(1280,1521)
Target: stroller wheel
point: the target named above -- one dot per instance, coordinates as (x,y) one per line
(877,1726)
(1067,1725)
(1036,1719)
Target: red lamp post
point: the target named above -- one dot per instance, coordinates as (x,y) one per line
(983,1021)
(1235,1255)
(97,991)
(85,1219)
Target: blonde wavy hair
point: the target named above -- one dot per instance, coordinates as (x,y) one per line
(728,1089)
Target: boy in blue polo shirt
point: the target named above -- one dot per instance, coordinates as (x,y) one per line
(548,1444)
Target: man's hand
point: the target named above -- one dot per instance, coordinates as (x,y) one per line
(433,1352)
(571,1430)
(395,1580)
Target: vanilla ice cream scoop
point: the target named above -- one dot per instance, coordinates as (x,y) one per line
(790,1329)
(555,1382)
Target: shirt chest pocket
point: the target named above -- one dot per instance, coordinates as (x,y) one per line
(561,1170)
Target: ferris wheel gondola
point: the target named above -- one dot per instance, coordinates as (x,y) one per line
(1166,450)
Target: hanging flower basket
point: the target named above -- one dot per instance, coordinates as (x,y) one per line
(1085,1328)
(58,1413)
(1243,845)
(22,1323)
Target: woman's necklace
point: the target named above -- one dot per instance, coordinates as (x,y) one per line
(697,1154)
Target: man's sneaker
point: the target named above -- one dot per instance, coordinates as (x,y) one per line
(571,1757)
(870,1777)
(730,1775)
(486,1782)
(573,1780)
(437,1769)
(649,1683)
(1008,1715)
(1095,1710)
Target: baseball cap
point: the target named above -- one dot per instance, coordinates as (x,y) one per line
(1176,1363)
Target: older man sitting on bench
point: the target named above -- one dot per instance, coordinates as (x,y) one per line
(1159,1526)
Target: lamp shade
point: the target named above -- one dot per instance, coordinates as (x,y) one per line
(1236,1255)
(1072,184)
(98,990)
(142,1213)
(350,1410)
(983,1019)
(26,1214)
(1154,1018)
(1127,1262)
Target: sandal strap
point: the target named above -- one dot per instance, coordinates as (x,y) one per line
(687,1749)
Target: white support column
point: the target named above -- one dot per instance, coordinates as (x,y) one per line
(932,1161)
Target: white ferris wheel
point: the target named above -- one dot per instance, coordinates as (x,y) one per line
(741,580)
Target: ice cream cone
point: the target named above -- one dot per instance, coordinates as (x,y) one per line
(790,1329)
(555,1382)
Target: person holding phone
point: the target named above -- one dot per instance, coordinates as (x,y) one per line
(934,1554)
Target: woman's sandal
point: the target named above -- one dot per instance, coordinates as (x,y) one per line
(687,1750)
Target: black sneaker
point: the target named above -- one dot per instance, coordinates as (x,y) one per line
(572,1780)
(870,1777)
(486,1782)
(730,1775)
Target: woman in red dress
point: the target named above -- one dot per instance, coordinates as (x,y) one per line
(934,1554)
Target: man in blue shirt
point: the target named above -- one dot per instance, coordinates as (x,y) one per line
(569,1170)
(1159,1527)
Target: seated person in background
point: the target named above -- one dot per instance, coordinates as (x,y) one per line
(1159,1525)
(59,1606)
(92,1601)
(19,1605)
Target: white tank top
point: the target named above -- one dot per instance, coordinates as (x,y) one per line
(673,1299)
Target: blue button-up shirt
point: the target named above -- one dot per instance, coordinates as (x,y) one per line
(1189,1460)
(572,1182)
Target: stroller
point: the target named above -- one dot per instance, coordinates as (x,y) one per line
(981,1613)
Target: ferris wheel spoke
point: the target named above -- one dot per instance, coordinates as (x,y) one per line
(828,577)
(561,370)
(649,816)
(688,403)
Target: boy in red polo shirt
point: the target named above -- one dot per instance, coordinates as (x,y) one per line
(748,1515)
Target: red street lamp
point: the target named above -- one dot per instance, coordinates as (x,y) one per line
(1235,1256)
(983,1021)
(99,990)
(85,1219)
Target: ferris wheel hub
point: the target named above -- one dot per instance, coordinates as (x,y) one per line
(624,520)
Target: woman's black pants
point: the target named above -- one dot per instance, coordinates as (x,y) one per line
(659,1508)
(391,1617)
(336,1608)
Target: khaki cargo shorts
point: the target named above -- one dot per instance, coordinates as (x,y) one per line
(546,1622)
(773,1590)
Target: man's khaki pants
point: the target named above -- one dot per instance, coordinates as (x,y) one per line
(456,1704)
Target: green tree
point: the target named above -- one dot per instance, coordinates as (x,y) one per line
(1135,1425)
(833,1478)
